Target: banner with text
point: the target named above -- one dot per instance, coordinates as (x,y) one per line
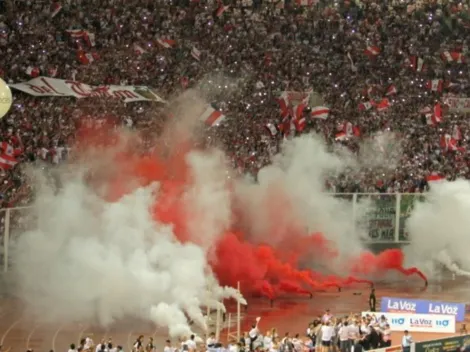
(381,219)
(448,344)
(419,306)
(53,87)
(457,104)
(417,322)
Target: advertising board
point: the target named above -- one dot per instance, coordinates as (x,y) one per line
(419,306)
(448,344)
(417,322)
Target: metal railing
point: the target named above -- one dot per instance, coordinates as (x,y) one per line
(383,222)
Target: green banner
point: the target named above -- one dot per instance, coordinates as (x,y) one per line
(448,344)
(381,218)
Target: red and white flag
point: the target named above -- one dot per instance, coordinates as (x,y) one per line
(456,134)
(417,63)
(452,56)
(272,129)
(449,143)
(196,54)
(33,71)
(391,90)
(166,43)
(348,130)
(372,51)
(300,124)
(435,85)
(87,58)
(283,102)
(80,34)
(55,9)
(367,105)
(435,116)
(212,117)
(434,177)
(340,136)
(138,50)
(320,112)
(8,155)
(90,39)
(220,11)
(383,105)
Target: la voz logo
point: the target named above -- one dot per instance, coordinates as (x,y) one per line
(401,305)
(421,322)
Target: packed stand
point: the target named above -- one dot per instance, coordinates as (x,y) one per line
(376,66)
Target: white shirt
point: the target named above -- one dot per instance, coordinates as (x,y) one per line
(343,333)
(191,344)
(353,331)
(98,347)
(267,342)
(327,332)
(211,341)
(233,348)
(70,350)
(253,333)
(88,343)
(168,349)
(297,344)
(406,340)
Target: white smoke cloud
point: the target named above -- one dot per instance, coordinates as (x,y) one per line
(438,228)
(92,260)
(300,172)
(381,151)
(208,200)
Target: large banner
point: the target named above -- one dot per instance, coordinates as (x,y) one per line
(417,322)
(457,104)
(420,306)
(53,87)
(381,217)
(448,344)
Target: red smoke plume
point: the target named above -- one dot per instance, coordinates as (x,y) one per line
(268,269)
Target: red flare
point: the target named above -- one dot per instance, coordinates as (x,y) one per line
(292,287)
(390,259)
(265,260)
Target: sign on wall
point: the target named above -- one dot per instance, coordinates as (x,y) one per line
(419,306)
(417,322)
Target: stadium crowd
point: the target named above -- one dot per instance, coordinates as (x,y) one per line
(376,65)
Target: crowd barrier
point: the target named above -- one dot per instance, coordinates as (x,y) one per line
(384,220)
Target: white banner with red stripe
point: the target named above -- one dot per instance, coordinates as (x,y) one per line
(212,117)
(457,104)
(53,87)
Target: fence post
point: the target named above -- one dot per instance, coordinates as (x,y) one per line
(6,240)
(397,217)
(354,216)
(238,313)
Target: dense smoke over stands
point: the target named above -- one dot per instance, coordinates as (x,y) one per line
(153,221)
